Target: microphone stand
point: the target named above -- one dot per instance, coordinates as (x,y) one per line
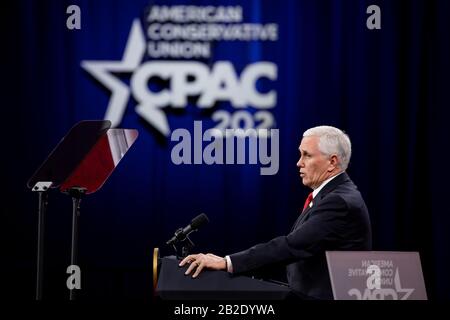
(186,246)
(181,237)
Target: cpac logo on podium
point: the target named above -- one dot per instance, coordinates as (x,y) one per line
(374,290)
(375,275)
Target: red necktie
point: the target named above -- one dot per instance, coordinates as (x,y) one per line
(308,201)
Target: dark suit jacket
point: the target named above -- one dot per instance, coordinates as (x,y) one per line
(338,220)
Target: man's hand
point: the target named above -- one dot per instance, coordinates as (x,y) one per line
(200,261)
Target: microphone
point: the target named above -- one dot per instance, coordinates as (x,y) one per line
(195,224)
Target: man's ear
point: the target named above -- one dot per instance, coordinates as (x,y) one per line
(334,163)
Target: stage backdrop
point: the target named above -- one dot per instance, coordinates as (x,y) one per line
(174,69)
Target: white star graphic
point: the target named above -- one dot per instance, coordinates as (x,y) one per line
(101,70)
(398,287)
(120,92)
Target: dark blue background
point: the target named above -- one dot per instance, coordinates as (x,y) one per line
(388,89)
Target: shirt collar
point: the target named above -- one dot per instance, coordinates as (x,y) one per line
(316,191)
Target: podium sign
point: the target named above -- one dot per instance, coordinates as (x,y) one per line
(376,275)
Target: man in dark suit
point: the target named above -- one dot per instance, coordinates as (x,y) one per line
(334,217)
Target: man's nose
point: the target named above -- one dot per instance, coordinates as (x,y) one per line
(299,163)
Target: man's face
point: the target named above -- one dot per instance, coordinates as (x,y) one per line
(314,166)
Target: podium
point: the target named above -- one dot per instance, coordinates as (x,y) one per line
(173,284)
(79,165)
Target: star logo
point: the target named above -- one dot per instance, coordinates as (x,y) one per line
(398,287)
(104,71)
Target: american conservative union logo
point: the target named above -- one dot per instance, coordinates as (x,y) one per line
(168,58)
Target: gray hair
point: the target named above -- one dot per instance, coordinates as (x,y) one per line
(332,141)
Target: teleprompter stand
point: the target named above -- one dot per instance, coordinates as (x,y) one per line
(76,194)
(41,188)
(79,165)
